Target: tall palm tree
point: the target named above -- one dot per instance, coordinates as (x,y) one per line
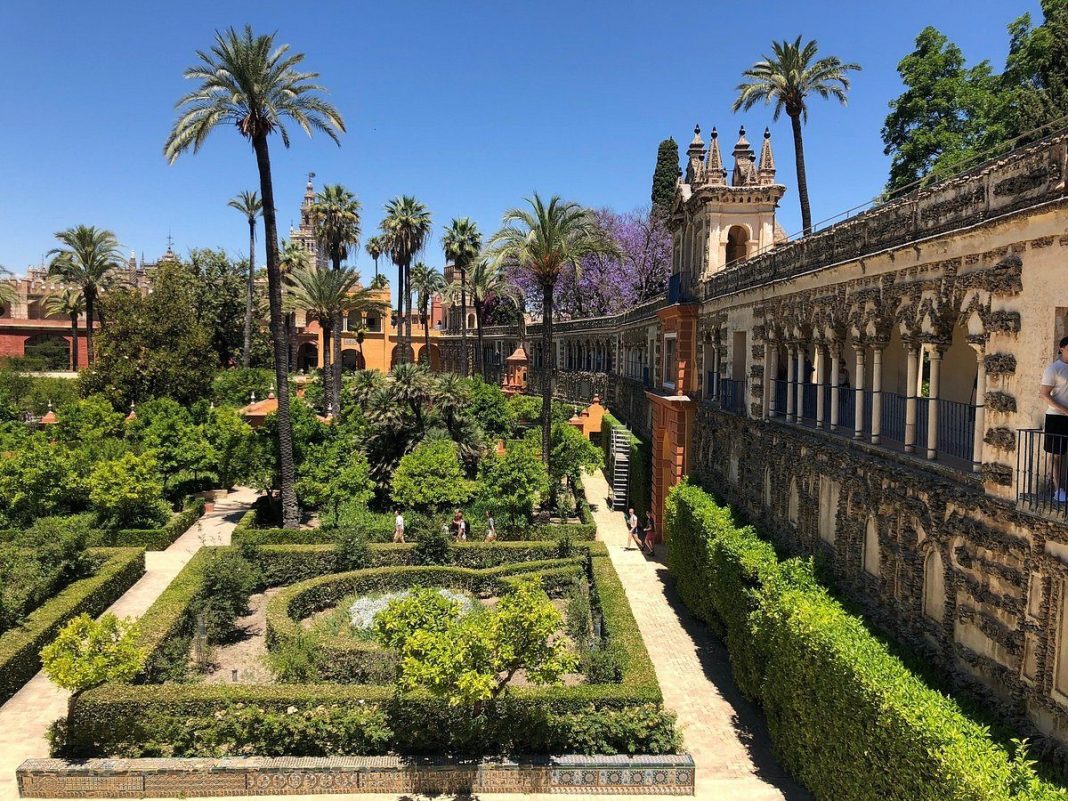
(246,81)
(336,216)
(787,78)
(544,240)
(324,295)
(70,303)
(375,247)
(8,293)
(412,386)
(462,244)
(486,281)
(407,228)
(426,282)
(359,332)
(87,259)
(249,205)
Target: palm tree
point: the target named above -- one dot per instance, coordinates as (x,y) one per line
(8,293)
(70,303)
(246,81)
(325,295)
(248,203)
(486,281)
(462,244)
(88,258)
(336,215)
(426,282)
(787,78)
(412,386)
(451,396)
(545,240)
(359,332)
(406,227)
(375,247)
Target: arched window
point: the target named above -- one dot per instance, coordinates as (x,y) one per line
(737,241)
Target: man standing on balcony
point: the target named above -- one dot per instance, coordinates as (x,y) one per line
(1054,391)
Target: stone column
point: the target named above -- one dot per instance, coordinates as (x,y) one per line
(821,375)
(717,360)
(876,393)
(858,411)
(932,403)
(770,357)
(790,416)
(799,405)
(980,413)
(912,375)
(836,365)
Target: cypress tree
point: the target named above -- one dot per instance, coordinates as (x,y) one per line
(665,175)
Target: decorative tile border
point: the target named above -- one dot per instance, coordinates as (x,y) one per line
(162,778)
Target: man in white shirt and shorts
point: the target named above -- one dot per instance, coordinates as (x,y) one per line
(1054,392)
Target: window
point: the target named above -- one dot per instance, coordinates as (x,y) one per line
(373,323)
(670,363)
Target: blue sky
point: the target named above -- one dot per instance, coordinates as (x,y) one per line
(469,106)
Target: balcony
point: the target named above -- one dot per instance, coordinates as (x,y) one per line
(725,393)
(1039,461)
(954,442)
(680,288)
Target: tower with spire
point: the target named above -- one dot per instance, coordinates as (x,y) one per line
(305,234)
(717,225)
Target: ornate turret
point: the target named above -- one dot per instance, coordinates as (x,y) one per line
(744,166)
(715,175)
(695,169)
(766,170)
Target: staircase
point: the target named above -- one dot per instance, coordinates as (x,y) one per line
(619,467)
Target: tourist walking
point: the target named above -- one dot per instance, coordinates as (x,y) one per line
(632,530)
(398,526)
(1054,391)
(459,527)
(650,531)
(491,527)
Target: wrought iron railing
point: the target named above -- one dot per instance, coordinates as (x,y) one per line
(1040,472)
(732,395)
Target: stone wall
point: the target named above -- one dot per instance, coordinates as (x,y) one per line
(972,585)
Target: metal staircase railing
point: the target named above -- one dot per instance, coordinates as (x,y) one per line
(619,467)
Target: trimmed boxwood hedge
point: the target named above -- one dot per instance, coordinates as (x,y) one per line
(641,482)
(114,718)
(20,647)
(153,539)
(847,718)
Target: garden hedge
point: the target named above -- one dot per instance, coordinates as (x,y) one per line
(624,717)
(153,539)
(20,647)
(641,482)
(846,717)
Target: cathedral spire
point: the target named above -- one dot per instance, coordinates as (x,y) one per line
(714,172)
(695,169)
(766,170)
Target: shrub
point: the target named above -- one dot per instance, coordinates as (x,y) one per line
(432,548)
(296,660)
(235,387)
(510,485)
(228,581)
(846,717)
(88,653)
(351,549)
(332,475)
(491,408)
(431,478)
(39,479)
(127,492)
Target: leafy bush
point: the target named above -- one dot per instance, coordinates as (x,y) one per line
(39,478)
(127,492)
(847,717)
(296,660)
(351,549)
(431,478)
(88,422)
(333,475)
(491,408)
(432,548)
(510,485)
(88,653)
(228,581)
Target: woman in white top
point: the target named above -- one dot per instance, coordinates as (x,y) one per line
(398,527)
(491,527)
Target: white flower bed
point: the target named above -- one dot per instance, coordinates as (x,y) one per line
(364,609)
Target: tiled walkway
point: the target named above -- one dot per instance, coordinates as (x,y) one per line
(725,733)
(25,717)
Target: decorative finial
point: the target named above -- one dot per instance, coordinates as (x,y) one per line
(741,132)
(767,133)
(253,400)
(696,129)
(715,133)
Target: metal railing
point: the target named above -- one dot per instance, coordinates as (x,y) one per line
(732,395)
(1040,472)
